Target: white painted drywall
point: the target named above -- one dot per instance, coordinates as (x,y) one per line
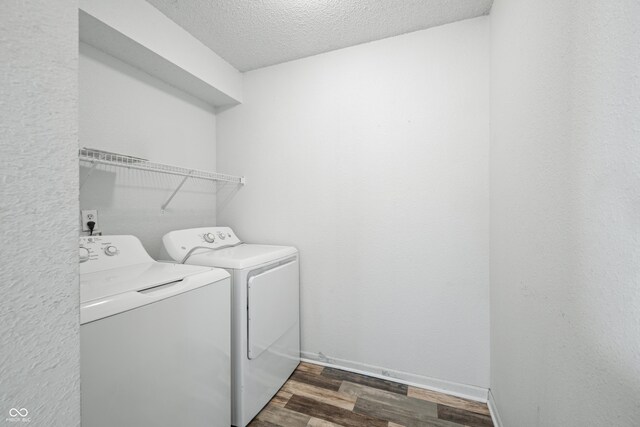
(145,25)
(373,161)
(565,198)
(125,110)
(39,293)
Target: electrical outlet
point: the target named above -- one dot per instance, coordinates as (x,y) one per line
(89,215)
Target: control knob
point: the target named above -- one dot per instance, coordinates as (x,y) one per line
(111,250)
(209,237)
(221,235)
(83,254)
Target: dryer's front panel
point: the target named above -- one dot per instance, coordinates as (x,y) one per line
(266,301)
(273,297)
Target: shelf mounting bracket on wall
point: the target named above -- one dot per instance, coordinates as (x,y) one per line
(100,157)
(165,204)
(89,172)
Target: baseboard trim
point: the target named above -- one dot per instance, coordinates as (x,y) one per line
(493,410)
(464,391)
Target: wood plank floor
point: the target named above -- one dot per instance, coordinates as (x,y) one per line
(315,396)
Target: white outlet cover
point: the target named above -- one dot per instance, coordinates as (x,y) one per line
(89,215)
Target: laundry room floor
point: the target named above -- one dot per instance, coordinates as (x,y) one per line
(317,396)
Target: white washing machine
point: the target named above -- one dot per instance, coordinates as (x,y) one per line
(265,325)
(154,339)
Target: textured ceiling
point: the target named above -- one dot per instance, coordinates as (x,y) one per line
(250,34)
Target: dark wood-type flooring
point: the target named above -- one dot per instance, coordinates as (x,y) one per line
(316,396)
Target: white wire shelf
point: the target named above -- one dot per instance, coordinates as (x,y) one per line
(99,157)
(94,156)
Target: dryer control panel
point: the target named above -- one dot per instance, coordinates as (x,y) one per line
(178,243)
(97,253)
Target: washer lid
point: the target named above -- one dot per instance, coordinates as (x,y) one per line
(134,278)
(109,292)
(241,256)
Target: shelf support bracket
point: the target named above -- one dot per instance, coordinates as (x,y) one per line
(89,172)
(164,206)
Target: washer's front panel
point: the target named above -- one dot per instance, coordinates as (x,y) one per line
(165,364)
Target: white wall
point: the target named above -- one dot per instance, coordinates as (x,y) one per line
(373,161)
(125,110)
(39,301)
(565,197)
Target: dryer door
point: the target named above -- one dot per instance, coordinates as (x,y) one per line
(273,305)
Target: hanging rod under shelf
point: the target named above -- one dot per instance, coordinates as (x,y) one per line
(96,157)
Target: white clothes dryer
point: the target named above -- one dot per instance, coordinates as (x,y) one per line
(265,325)
(154,339)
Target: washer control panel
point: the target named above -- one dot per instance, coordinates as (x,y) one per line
(178,243)
(96,253)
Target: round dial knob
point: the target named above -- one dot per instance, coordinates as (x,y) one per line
(111,250)
(221,235)
(83,254)
(209,237)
